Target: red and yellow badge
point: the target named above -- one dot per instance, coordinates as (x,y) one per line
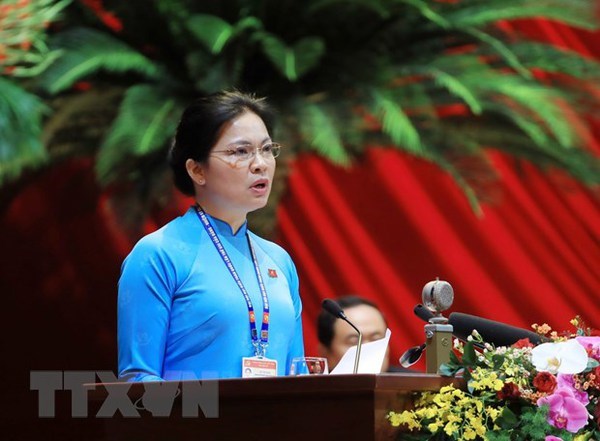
(272,273)
(252,316)
(266,317)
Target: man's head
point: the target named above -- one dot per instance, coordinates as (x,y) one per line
(336,336)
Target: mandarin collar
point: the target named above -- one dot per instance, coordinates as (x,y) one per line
(223,228)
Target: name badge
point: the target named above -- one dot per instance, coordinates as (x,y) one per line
(253,367)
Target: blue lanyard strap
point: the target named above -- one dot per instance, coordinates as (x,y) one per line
(260,343)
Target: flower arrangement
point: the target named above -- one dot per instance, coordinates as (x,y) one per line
(548,392)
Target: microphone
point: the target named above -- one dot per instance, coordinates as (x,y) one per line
(423,313)
(332,307)
(496,333)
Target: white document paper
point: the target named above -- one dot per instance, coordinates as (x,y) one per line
(371,357)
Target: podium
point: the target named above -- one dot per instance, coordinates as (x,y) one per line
(318,407)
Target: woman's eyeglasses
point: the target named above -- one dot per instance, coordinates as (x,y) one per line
(246,153)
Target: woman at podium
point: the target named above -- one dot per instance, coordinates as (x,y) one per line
(204,297)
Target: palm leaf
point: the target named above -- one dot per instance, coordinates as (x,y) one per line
(215,33)
(20,130)
(87,51)
(541,102)
(433,77)
(374,6)
(212,31)
(292,61)
(556,60)
(502,49)
(147,119)
(483,12)
(322,132)
(428,12)
(454,85)
(396,123)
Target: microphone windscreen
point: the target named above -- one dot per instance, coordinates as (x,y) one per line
(422,312)
(332,307)
(496,333)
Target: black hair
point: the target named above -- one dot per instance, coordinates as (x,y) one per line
(326,321)
(201,125)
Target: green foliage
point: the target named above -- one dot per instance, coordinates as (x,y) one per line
(23,48)
(344,74)
(293,61)
(87,51)
(484,12)
(212,31)
(551,59)
(395,123)
(20,143)
(321,130)
(147,119)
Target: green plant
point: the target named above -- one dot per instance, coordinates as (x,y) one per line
(437,79)
(520,393)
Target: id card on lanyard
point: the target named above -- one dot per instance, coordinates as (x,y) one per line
(258,365)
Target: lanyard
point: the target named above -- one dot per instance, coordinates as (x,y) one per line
(260,345)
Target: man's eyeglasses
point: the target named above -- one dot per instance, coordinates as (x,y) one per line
(245,153)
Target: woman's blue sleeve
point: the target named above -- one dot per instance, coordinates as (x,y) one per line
(297,347)
(144,304)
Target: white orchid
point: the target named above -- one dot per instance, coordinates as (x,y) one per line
(565,357)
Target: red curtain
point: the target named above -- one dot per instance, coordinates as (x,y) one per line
(391,223)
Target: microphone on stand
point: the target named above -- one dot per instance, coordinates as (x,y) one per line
(332,307)
(437,296)
(496,333)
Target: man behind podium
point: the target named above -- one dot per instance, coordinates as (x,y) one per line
(337,336)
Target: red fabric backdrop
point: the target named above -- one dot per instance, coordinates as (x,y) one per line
(381,229)
(392,223)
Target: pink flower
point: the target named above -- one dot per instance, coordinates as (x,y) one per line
(565,411)
(566,381)
(552,438)
(591,345)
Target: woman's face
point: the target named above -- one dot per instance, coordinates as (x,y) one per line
(230,186)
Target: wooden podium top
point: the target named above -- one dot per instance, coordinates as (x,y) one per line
(314,407)
(300,385)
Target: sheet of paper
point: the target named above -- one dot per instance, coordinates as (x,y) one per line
(371,357)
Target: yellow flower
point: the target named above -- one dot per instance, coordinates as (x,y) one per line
(469,433)
(429,412)
(435,426)
(492,412)
(479,428)
(453,418)
(442,401)
(479,405)
(447,389)
(450,428)
(485,380)
(406,417)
